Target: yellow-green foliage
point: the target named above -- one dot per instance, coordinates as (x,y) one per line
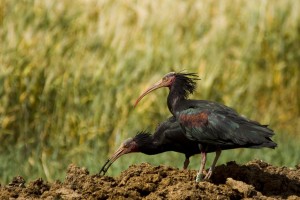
(71,70)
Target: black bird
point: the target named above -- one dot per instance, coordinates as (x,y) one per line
(209,123)
(167,137)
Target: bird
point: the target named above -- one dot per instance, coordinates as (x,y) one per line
(209,123)
(168,136)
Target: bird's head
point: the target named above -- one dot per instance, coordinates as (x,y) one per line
(183,82)
(130,145)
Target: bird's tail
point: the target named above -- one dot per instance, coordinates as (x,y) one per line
(259,135)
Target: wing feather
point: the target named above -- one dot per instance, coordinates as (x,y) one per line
(223,128)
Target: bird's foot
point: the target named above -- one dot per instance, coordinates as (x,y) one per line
(199,177)
(208,175)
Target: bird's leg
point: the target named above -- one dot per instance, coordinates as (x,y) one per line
(202,165)
(186,163)
(211,169)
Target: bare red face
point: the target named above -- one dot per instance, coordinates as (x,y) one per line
(166,81)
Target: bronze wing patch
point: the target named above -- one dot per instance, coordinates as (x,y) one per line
(195,120)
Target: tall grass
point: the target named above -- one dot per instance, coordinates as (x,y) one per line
(70,71)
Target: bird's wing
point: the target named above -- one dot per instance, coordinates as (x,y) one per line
(222,128)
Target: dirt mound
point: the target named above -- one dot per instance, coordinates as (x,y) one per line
(256,179)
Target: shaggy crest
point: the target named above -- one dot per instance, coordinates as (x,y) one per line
(142,137)
(186,82)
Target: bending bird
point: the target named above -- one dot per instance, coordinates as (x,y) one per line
(168,136)
(209,123)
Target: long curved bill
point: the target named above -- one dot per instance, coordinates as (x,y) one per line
(121,151)
(157,85)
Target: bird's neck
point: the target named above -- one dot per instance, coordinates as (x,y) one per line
(152,149)
(175,98)
(153,146)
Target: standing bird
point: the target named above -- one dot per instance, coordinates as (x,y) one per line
(209,123)
(167,137)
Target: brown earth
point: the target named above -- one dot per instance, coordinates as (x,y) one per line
(254,180)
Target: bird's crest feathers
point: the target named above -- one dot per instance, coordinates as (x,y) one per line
(142,137)
(187,81)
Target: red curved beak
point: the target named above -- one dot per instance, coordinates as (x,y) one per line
(157,85)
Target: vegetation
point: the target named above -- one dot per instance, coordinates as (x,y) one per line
(71,70)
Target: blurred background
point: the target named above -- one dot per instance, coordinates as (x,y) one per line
(71,70)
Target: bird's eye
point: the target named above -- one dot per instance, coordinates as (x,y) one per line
(125,144)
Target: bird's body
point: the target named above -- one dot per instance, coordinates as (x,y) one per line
(168,136)
(212,125)
(215,124)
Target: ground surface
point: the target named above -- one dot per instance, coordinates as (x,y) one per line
(255,180)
